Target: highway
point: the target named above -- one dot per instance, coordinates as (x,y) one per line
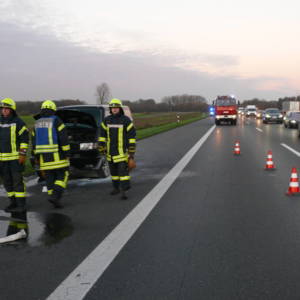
(201,223)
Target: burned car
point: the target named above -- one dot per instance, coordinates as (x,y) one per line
(83,124)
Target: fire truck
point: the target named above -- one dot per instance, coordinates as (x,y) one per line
(225,110)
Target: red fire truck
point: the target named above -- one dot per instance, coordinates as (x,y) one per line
(225,110)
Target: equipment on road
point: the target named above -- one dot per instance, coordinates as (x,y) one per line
(14,237)
(269,163)
(294,184)
(237,149)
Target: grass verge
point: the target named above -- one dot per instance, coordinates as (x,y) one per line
(147,132)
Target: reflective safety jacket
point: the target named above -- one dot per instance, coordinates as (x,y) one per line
(117,137)
(14,138)
(50,142)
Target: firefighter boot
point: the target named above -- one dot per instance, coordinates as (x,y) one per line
(55,199)
(124,195)
(116,189)
(12,205)
(21,205)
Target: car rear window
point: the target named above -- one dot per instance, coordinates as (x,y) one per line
(272,111)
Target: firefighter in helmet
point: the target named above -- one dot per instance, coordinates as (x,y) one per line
(117,141)
(50,147)
(14,138)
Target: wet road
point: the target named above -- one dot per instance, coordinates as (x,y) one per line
(224,230)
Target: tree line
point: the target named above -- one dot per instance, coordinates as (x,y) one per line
(33,107)
(176,103)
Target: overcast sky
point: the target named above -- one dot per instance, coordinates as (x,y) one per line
(149,49)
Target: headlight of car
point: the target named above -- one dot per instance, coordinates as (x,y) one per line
(268,116)
(293,121)
(280,116)
(88,146)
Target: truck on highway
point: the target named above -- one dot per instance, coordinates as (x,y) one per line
(83,124)
(290,106)
(225,110)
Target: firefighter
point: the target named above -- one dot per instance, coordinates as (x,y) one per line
(50,148)
(117,141)
(14,138)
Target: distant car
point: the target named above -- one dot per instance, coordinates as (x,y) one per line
(250,112)
(272,115)
(291,119)
(259,114)
(241,110)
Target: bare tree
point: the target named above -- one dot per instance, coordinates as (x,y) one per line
(103,93)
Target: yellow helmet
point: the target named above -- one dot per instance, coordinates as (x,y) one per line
(48,104)
(9,103)
(115,103)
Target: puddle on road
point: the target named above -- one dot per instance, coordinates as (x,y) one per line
(42,229)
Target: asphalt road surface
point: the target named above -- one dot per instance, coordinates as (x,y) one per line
(210,226)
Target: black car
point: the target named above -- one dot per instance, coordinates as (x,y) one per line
(272,115)
(291,119)
(83,124)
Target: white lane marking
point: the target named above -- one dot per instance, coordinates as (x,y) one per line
(291,149)
(82,279)
(259,129)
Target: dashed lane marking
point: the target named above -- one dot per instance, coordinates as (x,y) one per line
(291,149)
(260,130)
(82,279)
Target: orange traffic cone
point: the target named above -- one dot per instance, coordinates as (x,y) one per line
(294,183)
(237,149)
(269,162)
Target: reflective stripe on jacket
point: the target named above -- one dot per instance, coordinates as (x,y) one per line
(14,136)
(117,137)
(46,140)
(50,143)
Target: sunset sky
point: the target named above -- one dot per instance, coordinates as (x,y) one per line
(149,49)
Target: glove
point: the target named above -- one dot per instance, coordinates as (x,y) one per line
(22,159)
(131,163)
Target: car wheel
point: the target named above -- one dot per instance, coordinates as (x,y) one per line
(217,122)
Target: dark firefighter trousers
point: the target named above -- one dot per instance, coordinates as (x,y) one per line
(56,181)
(16,226)
(11,173)
(120,175)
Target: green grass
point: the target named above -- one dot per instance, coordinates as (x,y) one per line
(29,121)
(147,132)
